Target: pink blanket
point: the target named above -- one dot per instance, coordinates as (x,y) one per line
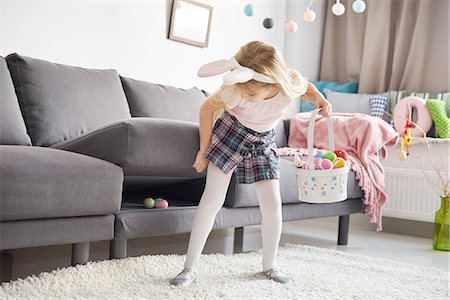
(361,136)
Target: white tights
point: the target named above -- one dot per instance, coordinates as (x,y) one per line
(217,182)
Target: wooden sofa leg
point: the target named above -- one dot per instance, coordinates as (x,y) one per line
(6,262)
(238,239)
(343,229)
(117,249)
(80,253)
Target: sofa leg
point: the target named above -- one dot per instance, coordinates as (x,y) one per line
(343,229)
(80,253)
(118,249)
(238,239)
(6,261)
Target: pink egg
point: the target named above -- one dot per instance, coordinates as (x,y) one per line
(317,161)
(291,26)
(326,164)
(161,204)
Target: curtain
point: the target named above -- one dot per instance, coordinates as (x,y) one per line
(393,45)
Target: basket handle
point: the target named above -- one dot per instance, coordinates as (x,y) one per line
(311,137)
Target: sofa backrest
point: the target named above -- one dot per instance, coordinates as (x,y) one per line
(12,126)
(152,100)
(60,102)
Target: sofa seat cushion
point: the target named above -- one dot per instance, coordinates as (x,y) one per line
(12,126)
(143,146)
(152,100)
(244,195)
(59,102)
(37,183)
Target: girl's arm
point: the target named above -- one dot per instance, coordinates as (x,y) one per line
(207,110)
(313,95)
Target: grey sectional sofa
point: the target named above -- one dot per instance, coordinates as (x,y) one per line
(81,148)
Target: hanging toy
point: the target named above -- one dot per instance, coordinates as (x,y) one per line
(291,26)
(248,10)
(406,136)
(406,140)
(268,23)
(309,15)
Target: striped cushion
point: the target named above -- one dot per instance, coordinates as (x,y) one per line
(396,96)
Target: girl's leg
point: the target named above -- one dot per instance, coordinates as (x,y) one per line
(268,192)
(213,197)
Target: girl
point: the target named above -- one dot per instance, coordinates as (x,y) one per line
(255,95)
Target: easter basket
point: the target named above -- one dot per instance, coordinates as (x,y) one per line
(321,186)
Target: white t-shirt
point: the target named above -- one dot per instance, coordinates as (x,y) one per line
(260,116)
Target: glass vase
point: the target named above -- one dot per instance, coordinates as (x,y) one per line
(441,239)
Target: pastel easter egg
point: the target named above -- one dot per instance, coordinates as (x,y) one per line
(317,161)
(319,155)
(339,162)
(330,156)
(149,202)
(341,153)
(306,167)
(326,164)
(161,204)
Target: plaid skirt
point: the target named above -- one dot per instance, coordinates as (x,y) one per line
(253,153)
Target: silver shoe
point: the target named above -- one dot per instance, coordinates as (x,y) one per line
(277,275)
(185,278)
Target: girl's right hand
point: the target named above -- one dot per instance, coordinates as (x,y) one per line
(201,162)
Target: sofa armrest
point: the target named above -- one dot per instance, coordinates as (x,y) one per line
(143,146)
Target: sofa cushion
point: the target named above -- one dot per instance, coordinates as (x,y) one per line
(60,102)
(151,100)
(143,146)
(12,126)
(37,183)
(244,195)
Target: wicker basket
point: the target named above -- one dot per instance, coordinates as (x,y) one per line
(321,186)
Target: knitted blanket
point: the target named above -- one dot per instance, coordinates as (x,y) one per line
(362,137)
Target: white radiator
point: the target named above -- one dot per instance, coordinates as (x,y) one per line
(410,196)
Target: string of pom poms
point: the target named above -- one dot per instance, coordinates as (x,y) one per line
(338,9)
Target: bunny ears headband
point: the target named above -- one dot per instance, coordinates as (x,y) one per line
(238,74)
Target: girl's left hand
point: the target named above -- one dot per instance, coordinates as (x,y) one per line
(324,107)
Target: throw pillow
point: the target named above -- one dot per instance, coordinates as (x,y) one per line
(351,103)
(351,87)
(395,96)
(379,105)
(439,116)
(60,102)
(151,100)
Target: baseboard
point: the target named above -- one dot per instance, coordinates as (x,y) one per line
(392,225)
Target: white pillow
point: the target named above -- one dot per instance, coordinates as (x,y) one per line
(350,103)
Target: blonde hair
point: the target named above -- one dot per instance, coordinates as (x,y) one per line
(263,58)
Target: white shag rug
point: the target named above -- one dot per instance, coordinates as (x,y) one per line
(318,274)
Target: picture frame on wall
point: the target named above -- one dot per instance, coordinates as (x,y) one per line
(190,22)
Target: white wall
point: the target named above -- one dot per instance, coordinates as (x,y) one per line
(303,49)
(131,36)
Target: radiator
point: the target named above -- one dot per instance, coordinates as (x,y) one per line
(410,196)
